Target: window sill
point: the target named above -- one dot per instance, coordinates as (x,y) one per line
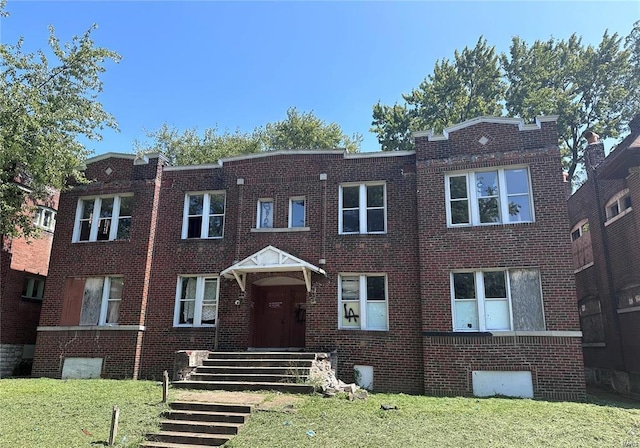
(586,266)
(628,310)
(280,229)
(593,344)
(192,327)
(213,238)
(94,328)
(31,299)
(102,241)
(362,234)
(376,330)
(490,225)
(617,217)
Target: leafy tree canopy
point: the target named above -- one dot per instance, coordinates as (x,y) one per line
(589,87)
(44,107)
(297,131)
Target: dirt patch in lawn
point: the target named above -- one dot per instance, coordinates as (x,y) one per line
(220,397)
(279,403)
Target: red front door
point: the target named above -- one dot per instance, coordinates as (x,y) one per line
(278,316)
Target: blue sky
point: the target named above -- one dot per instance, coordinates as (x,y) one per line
(242,64)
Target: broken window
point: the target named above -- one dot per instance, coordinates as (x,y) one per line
(204,215)
(363,302)
(104,218)
(196,301)
(499,300)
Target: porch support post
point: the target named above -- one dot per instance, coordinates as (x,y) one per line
(241,279)
(307,278)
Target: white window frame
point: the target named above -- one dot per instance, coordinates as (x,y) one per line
(197,312)
(618,200)
(480,299)
(291,201)
(363,301)
(362,207)
(259,213)
(104,304)
(35,287)
(39,219)
(472,196)
(95,218)
(206,207)
(579,228)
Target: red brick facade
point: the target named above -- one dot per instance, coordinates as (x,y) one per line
(416,350)
(608,278)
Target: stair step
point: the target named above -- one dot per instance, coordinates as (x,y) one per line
(262,378)
(207,416)
(259,354)
(258,362)
(209,407)
(178,437)
(249,370)
(149,444)
(200,427)
(239,386)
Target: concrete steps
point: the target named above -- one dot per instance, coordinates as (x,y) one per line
(238,371)
(197,424)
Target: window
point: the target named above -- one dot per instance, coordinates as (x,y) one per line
(497,300)
(489,197)
(618,206)
(363,302)
(580,229)
(45,218)
(33,288)
(297,212)
(265,214)
(203,215)
(581,249)
(196,301)
(104,218)
(101,300)
(362,209)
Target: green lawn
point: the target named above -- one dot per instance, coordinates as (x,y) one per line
(52,413)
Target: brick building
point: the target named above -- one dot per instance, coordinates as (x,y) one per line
(605,233)
(445,270)
(23,270)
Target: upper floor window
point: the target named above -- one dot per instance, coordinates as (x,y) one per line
(265,214)
(363,302)
(618,206)
(33,288)
(497,300)
(45,218)
(297,212)
(579,229)
(196,301)
(203,215)
(362,208)
(103,218)
(489,197)
(101,301)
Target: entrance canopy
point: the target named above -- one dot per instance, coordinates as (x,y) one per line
(270,259)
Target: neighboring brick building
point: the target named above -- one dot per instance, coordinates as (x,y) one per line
(605,229)
(391,259)
(23,271)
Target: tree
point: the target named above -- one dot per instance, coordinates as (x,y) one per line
(469,86)
(588,87)
(44,108)
(306,131)
(189,148)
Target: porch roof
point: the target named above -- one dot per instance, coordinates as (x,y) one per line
(270,259)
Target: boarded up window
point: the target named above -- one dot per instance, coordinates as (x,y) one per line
(591,320)
(526,298)
(73,293)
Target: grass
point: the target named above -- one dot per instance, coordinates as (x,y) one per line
(52,413)
(45,413)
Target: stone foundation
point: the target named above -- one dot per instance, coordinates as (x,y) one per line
(10,357)
(616,381)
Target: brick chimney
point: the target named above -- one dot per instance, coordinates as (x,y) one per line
(594,152)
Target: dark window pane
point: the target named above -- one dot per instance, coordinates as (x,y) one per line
(126,205)
(215,226)
(375,196)
(104,227)
(85,230)
(517,181)
(124,224)
(519,208)
(189,288)
(350,197)
(495,285)
(487,183)
(297,213)
(375,288)
(106,209)
(216,205)
(464,285)
(196,204)
(489,211)
(626,201)
(194,228)
(459,212)
(575,234)
(458,187)
(375,220)
(87,208)
(350,221)
(614,210)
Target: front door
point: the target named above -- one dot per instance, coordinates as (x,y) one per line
(278,316)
